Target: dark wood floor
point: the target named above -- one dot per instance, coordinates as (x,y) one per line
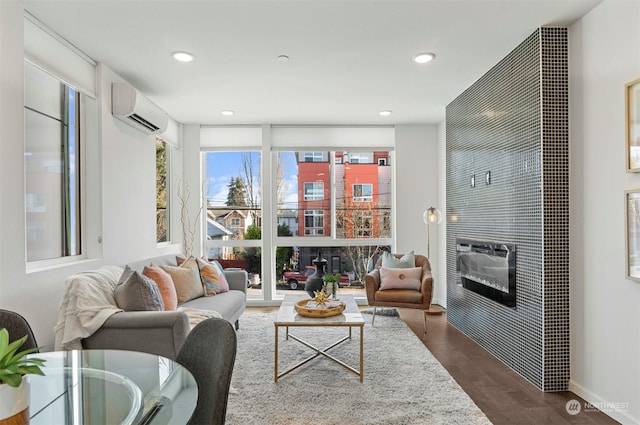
(503,395)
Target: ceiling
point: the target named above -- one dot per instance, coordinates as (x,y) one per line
(348,60)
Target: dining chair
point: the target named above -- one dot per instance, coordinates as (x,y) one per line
(17,326)
(209,353)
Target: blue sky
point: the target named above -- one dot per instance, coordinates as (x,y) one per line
(222,166)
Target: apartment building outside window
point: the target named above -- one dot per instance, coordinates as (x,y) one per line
(356,207)
(359,158)
(363,192)
(363,224)
(313,191)
(313,222)
(314,156)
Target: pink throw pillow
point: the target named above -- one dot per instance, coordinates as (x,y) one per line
(400,278)
(165,285)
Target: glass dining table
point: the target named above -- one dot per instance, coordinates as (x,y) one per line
(110,387)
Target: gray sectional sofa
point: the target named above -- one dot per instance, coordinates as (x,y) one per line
(164,332)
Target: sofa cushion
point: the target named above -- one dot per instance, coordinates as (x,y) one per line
(213,279)
(186,279)
(230,304)
(165,285)
(136,292)
(406,261)
(400,278)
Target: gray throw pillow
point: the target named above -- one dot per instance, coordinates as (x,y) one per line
(407,261)
(137,292)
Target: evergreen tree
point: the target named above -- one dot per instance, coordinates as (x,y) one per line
(237,193)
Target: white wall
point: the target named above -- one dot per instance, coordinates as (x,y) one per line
(128,183)
(605,306)
(416,157)
(123,212)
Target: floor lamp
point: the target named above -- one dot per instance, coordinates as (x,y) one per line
(431,216)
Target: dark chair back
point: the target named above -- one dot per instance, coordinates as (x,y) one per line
(209,353)
(17,326)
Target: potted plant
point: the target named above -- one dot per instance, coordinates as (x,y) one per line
(14,387)
(331,284)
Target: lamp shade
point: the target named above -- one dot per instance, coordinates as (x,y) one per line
(432,216)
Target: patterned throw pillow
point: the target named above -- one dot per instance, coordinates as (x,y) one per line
(406,261)
(186,279)
(136,292)
(165,285)
(393,278)
(212,277)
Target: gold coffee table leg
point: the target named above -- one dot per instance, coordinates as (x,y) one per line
(361,353)
(275,368)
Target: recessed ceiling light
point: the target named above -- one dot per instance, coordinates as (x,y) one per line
(423,57)
(227,112)
(283,58)
(384,113)
(182,56)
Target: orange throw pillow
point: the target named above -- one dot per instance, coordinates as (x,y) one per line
(165,285)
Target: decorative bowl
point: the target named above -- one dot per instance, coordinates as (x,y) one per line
(302,310)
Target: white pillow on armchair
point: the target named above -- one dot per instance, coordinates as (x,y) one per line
(393,278)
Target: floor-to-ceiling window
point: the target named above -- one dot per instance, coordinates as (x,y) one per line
(334,202)
(341,211)
(233,231)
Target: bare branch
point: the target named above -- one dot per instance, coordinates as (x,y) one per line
(189,225)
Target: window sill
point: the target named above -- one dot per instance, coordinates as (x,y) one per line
(59,263)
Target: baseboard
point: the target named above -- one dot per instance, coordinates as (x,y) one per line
(621,416)
(440,303)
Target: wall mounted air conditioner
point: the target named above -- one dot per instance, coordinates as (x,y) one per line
(131,107)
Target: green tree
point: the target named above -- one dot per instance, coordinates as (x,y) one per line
(161,192)
(253,232)
(253,255)
(237,193)
(283,253)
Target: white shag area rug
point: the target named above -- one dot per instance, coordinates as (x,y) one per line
(403,383)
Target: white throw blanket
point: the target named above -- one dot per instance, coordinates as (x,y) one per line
(196,315)
(86,304)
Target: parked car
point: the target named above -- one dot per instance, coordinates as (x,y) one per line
(295,280)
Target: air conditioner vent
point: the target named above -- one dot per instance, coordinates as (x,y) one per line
(131,107)
(150,126)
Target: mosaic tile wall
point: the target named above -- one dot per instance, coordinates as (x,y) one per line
(513,124)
